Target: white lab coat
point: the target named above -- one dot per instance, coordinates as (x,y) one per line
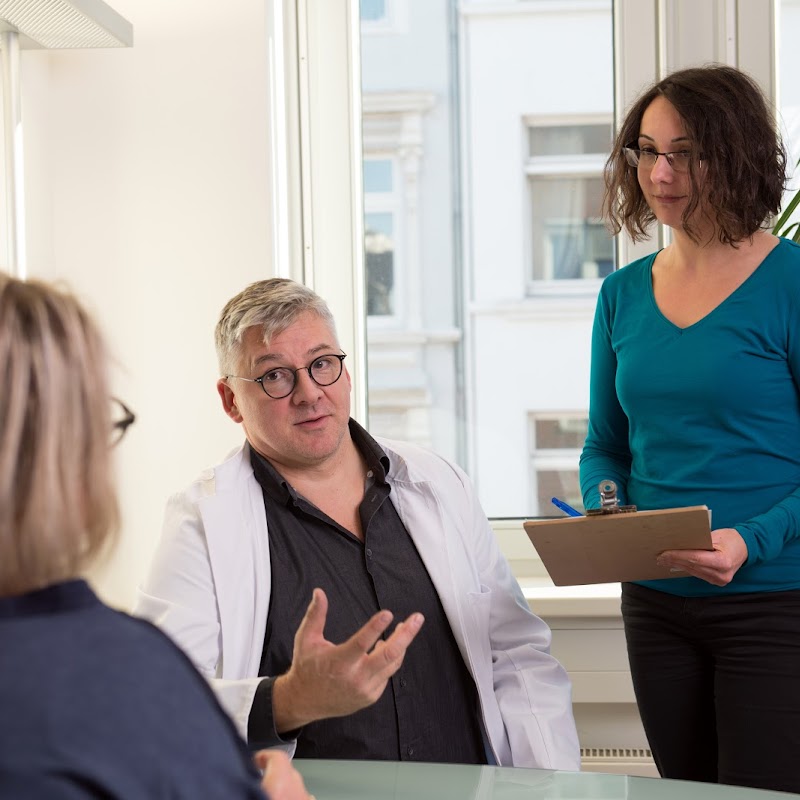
(209,589)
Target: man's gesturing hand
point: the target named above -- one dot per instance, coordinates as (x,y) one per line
(328,680)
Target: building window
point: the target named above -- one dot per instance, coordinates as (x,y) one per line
(569,242)
(380,17)
(379,249)
(556,447)
(380,235)
(373,10)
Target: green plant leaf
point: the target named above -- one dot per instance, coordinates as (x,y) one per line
(796,236)
(778,228)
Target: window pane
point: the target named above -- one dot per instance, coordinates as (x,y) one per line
(560,140)
(377,175)
(561,432)
(562,484)
(373,10)
(379,249)
(570,240)
(497,132)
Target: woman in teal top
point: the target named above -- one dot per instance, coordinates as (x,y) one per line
(695,399)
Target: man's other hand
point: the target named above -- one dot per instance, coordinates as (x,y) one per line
(281,780)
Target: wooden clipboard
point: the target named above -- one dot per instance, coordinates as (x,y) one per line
(617,547)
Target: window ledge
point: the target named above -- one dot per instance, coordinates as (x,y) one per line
(546,600)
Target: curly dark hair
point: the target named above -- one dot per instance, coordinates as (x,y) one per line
(743,158)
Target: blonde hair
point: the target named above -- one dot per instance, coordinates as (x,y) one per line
(273,304)
(58,505)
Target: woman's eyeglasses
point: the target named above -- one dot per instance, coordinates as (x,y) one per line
(121,419)
(646,158)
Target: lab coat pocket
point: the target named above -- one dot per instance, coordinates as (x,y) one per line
(480,607)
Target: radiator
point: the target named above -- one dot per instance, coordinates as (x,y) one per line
(619,760)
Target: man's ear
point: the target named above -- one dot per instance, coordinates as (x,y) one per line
(228,398)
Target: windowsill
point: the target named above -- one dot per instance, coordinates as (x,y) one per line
(546,600)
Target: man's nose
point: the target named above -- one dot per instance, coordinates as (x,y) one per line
(306,389)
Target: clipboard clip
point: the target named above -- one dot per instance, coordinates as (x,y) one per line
(609,502)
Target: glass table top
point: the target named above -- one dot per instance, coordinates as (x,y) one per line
(390,780)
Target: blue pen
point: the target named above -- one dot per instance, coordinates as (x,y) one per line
(572,512)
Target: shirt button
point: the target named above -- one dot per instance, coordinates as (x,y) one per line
(369,553)
(410,751)
(403,682)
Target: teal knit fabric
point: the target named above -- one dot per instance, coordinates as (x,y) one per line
(704,415)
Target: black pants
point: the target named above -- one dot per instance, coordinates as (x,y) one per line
(717,681)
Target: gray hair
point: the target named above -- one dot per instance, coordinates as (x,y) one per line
(273,304)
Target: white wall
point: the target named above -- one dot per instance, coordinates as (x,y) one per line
(148,190)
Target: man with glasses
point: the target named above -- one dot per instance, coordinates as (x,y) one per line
(312,507)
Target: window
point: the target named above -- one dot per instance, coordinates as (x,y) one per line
(458,358)
(476,344)
(373,10)
(556,445)
(383,16)
(381,206)
(410,232)
(394,156)
(569,241)
(379,248)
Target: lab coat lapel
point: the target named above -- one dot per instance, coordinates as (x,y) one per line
(421,512)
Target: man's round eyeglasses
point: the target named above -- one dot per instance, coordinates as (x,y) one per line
(279,382)
(121,419)
(646,158)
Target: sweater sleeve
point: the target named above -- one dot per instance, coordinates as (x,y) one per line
(606,452)
(766,534)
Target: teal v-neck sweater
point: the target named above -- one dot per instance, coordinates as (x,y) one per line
(704,415)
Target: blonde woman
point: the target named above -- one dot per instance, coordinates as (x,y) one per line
(94,703)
